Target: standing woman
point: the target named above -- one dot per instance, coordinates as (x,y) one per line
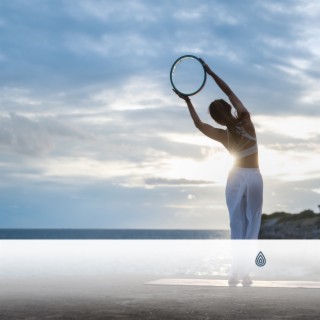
(244,189)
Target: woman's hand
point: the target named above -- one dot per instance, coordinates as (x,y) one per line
(182,96)
(206,67)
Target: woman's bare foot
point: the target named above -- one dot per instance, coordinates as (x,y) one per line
(246,281)
(233,281)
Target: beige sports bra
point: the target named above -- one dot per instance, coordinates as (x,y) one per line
(239,149)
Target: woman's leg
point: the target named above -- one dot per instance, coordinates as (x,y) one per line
(254,199)
(235,198)
(244,192)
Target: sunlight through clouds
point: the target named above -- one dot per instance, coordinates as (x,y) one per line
(293,165)
(212,169)
(86,105)
(194,139)
(295,161)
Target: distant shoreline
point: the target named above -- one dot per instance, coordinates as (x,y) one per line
(278,225)
(116,234)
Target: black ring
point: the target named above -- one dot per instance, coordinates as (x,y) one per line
(204,71)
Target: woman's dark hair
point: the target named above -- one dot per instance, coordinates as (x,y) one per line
(220,111)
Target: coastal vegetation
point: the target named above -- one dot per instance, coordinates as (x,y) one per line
(283,225)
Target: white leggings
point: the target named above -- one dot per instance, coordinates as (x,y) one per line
(244,195)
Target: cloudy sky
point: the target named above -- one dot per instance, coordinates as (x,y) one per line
(91,134)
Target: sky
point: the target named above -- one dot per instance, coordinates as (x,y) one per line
(92,136)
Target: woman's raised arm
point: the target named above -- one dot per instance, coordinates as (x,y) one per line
(235,101)
(209,131)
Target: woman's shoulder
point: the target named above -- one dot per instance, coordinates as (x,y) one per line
(245,121)
(244,116)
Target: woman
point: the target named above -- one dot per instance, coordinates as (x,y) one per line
(244,185)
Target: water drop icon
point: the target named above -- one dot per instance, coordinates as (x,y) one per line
(260,259)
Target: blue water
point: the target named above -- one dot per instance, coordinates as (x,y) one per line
(112,234)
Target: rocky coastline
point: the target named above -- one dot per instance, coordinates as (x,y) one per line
(283,225)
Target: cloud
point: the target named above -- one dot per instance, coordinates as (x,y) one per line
(87,88)
(110,45)
(124,12)
(34,137)
(290,196)
(296,127)
(176,182)
(13,97)
(98,44)
(139,92)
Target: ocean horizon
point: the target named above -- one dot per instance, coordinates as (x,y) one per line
(127,234)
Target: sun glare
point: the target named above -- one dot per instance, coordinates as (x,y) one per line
(213,169)
(289,165)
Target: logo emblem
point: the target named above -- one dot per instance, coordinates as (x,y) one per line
(260,259)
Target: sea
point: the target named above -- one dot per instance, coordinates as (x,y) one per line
(105,234)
